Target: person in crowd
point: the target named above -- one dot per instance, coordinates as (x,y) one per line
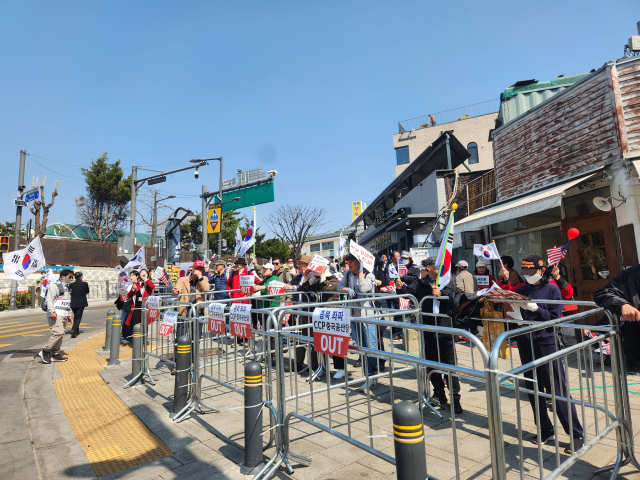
(622,297)
(141,288)
(393,303)
(465,281)
(482,270)
(378,273)
(190,289)
(79,291)
(293,286)
(233,280)
(219,281)
(57,317)
(269,275)
(439,348)
(538,287)
(281,270)
(357,280)
(291,265)
(509,277)
(413,272)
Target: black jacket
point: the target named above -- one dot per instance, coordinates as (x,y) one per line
(79,291)
(621,290)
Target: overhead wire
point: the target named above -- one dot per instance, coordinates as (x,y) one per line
(53,171)
(54,161)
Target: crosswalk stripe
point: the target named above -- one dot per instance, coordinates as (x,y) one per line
(38,325)
(20,334)
(22,325)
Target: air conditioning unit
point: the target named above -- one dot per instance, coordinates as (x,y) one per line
(634,43)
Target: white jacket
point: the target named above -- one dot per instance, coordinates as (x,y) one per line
(366,285)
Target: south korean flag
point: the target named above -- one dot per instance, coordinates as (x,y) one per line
(19,264)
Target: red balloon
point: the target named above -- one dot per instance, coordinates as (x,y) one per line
(573,233)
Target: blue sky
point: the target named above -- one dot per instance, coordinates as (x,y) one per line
(312,89)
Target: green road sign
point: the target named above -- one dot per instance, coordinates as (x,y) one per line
(248,197)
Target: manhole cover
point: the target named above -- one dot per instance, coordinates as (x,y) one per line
(25,353)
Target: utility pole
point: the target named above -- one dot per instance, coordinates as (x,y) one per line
(134,176)
(205,221)
(220,199)
(154,224)
(18,225)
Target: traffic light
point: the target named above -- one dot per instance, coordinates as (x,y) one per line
(4,244)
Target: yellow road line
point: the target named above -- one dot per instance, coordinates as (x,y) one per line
(21,334)
(112,437)
(5,344)
(13,328)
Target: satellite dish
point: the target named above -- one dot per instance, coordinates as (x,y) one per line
(602,204)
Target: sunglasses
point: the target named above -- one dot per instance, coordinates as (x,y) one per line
(276,263)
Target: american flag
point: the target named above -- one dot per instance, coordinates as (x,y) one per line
(165,279)
(404,303)
(123,277)
(556,254)
(402,269)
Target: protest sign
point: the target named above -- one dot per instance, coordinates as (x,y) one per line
(123,290)
(153,309)
(392,271)
(216,318)
(246,284)
(240,320)
(318,263)
(365,258)
(168,322)
(63,307)
(276,288)
(331,330)
(483,280)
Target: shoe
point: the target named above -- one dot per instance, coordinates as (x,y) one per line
(457,408)
(287,368)
(124,341)
(372,383)
(383,368)
(45,356)
(339,375)
(358,363)
(58,358)
(174,371)
(73,334)
(546,439)
(397,338)
(577,445)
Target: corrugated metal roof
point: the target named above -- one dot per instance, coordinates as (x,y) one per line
(82,232)
(517,100)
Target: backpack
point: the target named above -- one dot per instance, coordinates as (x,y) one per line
(43,301)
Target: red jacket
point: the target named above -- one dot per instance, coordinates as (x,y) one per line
(233,283)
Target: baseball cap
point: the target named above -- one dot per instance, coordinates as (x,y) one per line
(462,264)
(531,264)
(431,260)
(268,265)
(481,263)
(198,264)
(405,254)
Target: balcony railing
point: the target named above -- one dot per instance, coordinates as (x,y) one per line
(448,116)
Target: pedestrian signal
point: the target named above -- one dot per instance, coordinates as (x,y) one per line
(4,244)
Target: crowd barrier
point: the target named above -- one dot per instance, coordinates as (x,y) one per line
(281,330)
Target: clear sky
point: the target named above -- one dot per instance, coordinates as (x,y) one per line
(311,89)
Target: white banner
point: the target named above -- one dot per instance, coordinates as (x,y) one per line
(331,330)
(318,263)
(240,320)
(168,322)
(365,258)
(216,318)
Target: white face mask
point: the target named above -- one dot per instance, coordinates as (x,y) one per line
(533,279)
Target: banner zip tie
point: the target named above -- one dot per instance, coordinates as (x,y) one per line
(512,375)
(250,406)
(275,426)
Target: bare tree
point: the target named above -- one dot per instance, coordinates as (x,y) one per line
(40,226)
(146,201)
(294,224)
(104,218)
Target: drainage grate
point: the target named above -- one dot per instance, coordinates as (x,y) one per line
(25,353)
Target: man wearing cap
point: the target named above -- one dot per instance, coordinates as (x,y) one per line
(437,347)
(464,280)
(413,271)
(233,282)
(219,279)
(537,286)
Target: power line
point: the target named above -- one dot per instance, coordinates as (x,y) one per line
(54,161)
(52,171)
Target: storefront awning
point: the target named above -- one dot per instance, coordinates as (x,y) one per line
(537,202)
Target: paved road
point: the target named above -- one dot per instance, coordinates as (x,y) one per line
(30,330)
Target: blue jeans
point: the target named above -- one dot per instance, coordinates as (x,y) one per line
(365,336)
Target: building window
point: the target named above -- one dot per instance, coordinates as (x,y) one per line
(327,245)
(402,155)
(315,247)
(473,150)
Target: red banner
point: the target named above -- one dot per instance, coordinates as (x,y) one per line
(336,345)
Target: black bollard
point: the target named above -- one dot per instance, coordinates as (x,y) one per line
(183,364)
(252,419)
(107,336)
(136,364)
(114,348)
(408,436)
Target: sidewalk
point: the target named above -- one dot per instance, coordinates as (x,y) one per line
(38,310)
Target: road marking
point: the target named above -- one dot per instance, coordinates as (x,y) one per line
(5,345)
(21,335)
(38,325)
(7,327)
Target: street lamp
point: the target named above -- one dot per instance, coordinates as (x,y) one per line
(155,219)
(205,243)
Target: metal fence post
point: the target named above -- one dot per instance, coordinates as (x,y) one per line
(115,336)
(253,403)
(408,436)
(107,292)
(183,365)
(34,296)
(136,364)
(107,334)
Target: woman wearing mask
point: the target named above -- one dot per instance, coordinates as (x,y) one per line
(537,286)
